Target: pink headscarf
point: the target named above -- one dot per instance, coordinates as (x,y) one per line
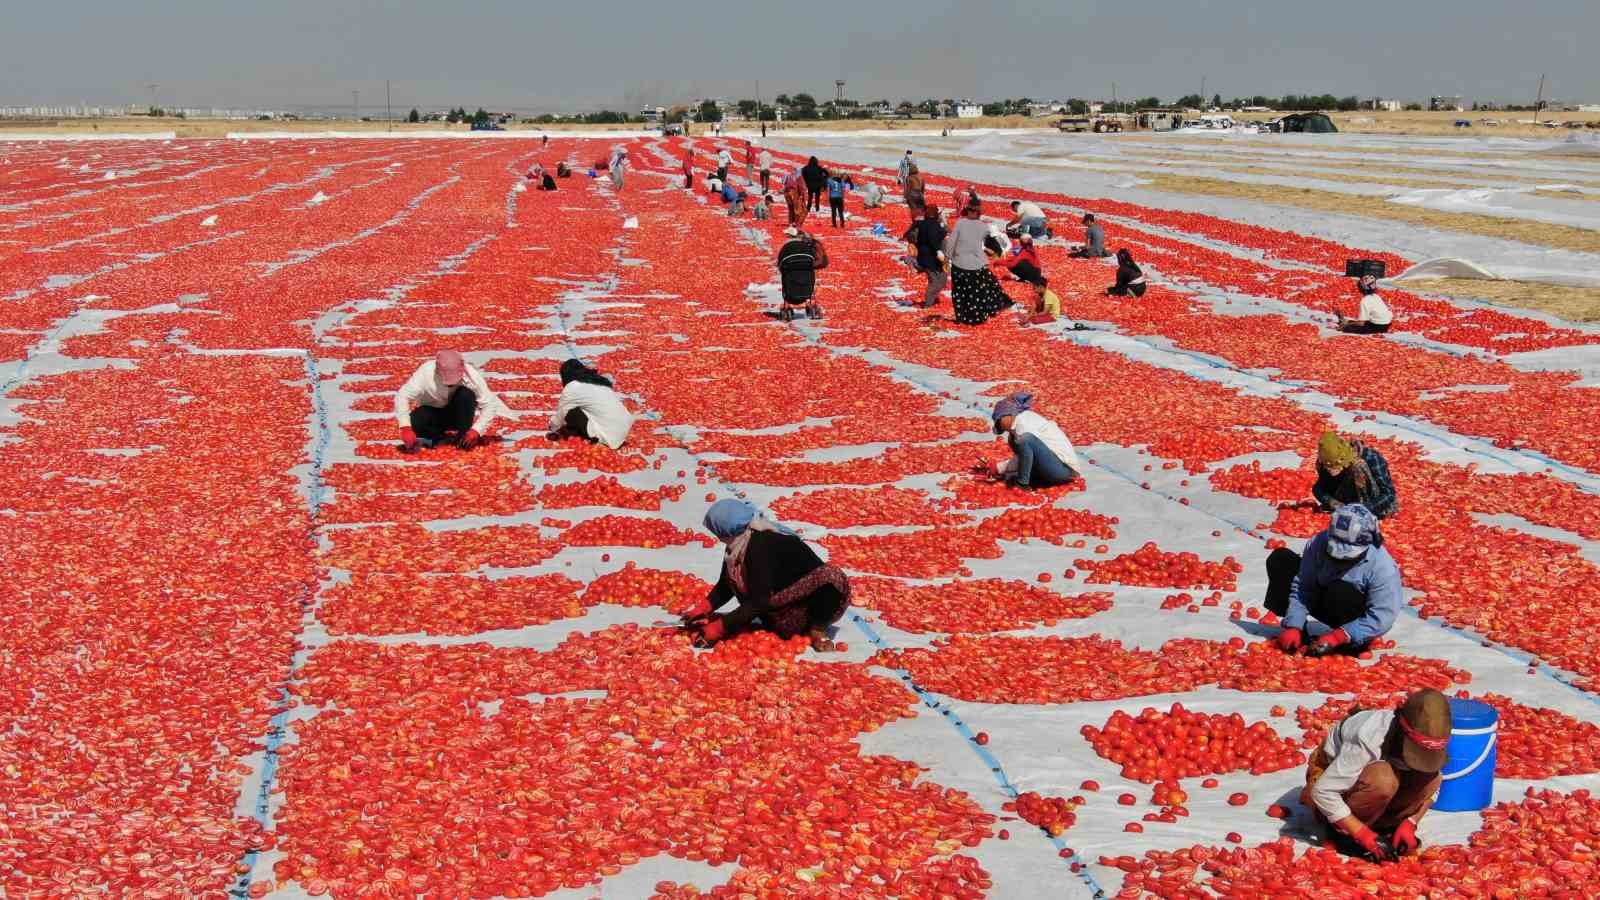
(449,367)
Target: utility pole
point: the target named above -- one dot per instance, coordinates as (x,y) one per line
(152,86)
(1202,93)
(388,108)
(1538,105)
(355,105)
(1114,97)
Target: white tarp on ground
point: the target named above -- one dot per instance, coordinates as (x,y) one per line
(1509,258)
(1509,202)
(1447,267)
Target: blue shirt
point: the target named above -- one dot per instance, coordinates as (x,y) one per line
(1375,574)
(836,188)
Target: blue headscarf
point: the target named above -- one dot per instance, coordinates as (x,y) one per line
(729,518)
(1021,401)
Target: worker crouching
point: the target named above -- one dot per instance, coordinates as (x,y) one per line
(1377,774)
(444,400)
(780,583)
(1346,580)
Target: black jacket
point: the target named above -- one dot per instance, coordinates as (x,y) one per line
(928,236)
(772,562)
(815,176)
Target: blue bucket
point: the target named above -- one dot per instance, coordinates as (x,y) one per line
(1474,749)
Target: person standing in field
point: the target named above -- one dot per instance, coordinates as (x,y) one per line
(688,167)
(906,165)
(816,178)
(927,236)
(794,195)
(916,191)
(836,187)
(766,171)
(618,166)
(975,291)
(724,159)
(750,161)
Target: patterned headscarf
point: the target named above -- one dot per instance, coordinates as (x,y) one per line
(733,521)
(1334,452)
(1021,401)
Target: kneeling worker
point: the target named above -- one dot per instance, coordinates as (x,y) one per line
(1347,580)
(1374,316)
(444,396)
(1377,773)
(589,407)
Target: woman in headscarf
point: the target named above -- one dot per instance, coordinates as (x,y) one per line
(589,408)
(1130,278)
(780,583)
(794,196)
(1352,472)
(1041,453)
(975,291)
(916,191)
(816,178)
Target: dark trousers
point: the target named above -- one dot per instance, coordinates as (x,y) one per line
(1027,271)
(431,422)
(722,174)
(688,181)
(766,180)
(814,198)
(836,207)
(576,424)
(1338,604)
(1364,328)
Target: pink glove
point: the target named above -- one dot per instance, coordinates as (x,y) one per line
(1290,640)
(408,438)
(699,610)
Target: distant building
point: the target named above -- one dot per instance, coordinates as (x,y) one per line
(1382,105)
(1096,107)
(1447,104)
(652,115)
(966,109)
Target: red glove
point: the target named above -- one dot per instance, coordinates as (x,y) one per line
(470,439)
(699,610)
(1375,847)
(408,438)
(1290,640)
(1405,838)
(710,632)
(1331,641)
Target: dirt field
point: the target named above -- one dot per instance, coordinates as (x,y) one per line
(1571,303)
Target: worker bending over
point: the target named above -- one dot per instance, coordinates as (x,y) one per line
(1352,472)
(589,407)
(1346,580)
(780,583)
(445,399)
(1377,773)
(1027,218)
(1042,455)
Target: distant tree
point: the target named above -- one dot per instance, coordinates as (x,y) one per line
(783,100)
(768,113)
(1191,101)
(709,112)
(1148,102)
(1078,107)
(481,117)
(747,108)
(1347,104)
(1413,107)
(994,109)
(931,107)
(414,116)
(804,100)
(605,117)
(546,119)
(1216,101)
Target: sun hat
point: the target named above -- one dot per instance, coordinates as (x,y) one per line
(1424,722)
(449,366)
(1354,529)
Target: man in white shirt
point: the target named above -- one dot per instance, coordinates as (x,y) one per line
(1028,218)
(724,159)
(766,171)
(1377,773)
(444,396)
(1042,454)
(1374,316)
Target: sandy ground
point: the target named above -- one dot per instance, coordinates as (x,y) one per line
(1571,303)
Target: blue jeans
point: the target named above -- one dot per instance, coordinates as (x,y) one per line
(1035,225)
(1036,464)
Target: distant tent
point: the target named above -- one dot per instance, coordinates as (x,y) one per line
(1311,123)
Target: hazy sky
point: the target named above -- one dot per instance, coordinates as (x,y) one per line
(582,55)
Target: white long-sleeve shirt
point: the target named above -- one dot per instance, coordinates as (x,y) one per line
(1374,310)
(766,160)
(1027,209)
(424,388)
(609,419)
(1354,745)
(1055,440)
